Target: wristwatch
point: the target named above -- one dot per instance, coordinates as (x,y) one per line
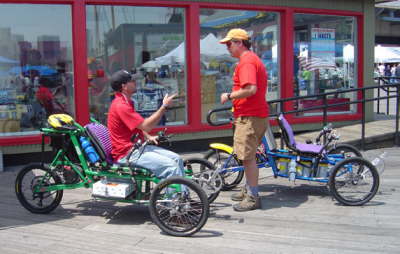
(229,96)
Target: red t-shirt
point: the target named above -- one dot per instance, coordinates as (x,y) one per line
(122,124)
(45,97)
(250,70)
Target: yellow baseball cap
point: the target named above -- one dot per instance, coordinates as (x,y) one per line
(236,33)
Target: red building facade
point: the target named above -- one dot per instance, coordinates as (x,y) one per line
(76,45)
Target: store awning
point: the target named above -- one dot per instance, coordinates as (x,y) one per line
(387,54)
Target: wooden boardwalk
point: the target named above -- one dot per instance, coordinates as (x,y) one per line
(300,218)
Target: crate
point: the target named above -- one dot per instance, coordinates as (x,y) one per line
(113,188)
(9,125)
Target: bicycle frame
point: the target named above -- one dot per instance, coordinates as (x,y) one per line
(89,173)
(269,158)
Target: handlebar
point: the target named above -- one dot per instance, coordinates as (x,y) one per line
(213,111)
(328,133)
(161,138)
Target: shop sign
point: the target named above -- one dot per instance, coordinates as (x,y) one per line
(323,45)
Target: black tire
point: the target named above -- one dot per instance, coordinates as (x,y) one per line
(201,170)
(179,213)
(346,149)
(217,158)
(27,179)
(354,187)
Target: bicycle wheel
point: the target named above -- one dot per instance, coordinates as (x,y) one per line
(32,177)
(346,150)
(205,175)
(219,159)
(179,213)
(354,181)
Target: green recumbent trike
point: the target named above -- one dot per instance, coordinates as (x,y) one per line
(178,205)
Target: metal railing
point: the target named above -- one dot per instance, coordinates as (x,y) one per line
(393,92)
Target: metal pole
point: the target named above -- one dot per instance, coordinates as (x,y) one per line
(1,161)
(281,111)
(325,110)
(363,121)
(379,95)
(388,99)
(325,115)
(396,138)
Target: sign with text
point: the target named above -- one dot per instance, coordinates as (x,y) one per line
(323,46)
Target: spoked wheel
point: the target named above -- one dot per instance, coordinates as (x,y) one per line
(205,174)
(224,160)
(179,206)
(354,181)
(28,186)
(344,151)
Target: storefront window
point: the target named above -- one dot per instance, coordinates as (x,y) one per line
(324,54)
(35,66)
(217,65)
(145,40)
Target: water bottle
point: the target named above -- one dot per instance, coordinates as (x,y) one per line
(379,162)
(89,150)
(292,170)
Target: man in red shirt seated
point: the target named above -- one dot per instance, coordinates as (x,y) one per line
(124,122)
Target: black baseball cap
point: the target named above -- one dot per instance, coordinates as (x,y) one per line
(122,77)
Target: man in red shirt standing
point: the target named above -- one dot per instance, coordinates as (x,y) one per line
(250,111)
(124,122)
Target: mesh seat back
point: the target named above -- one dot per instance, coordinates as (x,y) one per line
(100,136)
(287,131)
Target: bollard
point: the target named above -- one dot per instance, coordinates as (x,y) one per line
(1,161)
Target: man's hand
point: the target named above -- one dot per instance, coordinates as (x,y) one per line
(153,139)
(168,99)
(224,97)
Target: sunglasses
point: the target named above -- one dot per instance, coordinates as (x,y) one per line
(229,43)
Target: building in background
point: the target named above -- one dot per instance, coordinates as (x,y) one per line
(307,46)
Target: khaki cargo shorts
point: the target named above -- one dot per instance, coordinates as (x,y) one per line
(249,131)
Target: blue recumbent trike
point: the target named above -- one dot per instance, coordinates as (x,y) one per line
(351,179)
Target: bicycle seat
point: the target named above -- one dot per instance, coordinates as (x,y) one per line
(100,137)
(288,137)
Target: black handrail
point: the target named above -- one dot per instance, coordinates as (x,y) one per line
(325,106)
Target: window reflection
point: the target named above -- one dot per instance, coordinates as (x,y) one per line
(35,65)
(217,65)
(324,60)
(145,40)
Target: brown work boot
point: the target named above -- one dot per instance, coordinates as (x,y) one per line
(239,196)
(248,203)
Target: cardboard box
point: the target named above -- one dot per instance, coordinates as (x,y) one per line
(9,125)
(113,188)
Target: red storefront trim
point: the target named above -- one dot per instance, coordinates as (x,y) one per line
(193,52)
(193,88)
(81,90)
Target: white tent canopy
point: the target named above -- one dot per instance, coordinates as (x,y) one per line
(387,54)
(348,53)
(209,48)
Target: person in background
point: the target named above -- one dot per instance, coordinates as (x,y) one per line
(44,96)
(250,111)
(397,73)
(393,73)
(381,69)
(388,72)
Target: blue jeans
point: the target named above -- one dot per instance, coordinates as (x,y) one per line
(162,162)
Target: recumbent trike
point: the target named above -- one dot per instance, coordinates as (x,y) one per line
(351,179)
(178,205)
